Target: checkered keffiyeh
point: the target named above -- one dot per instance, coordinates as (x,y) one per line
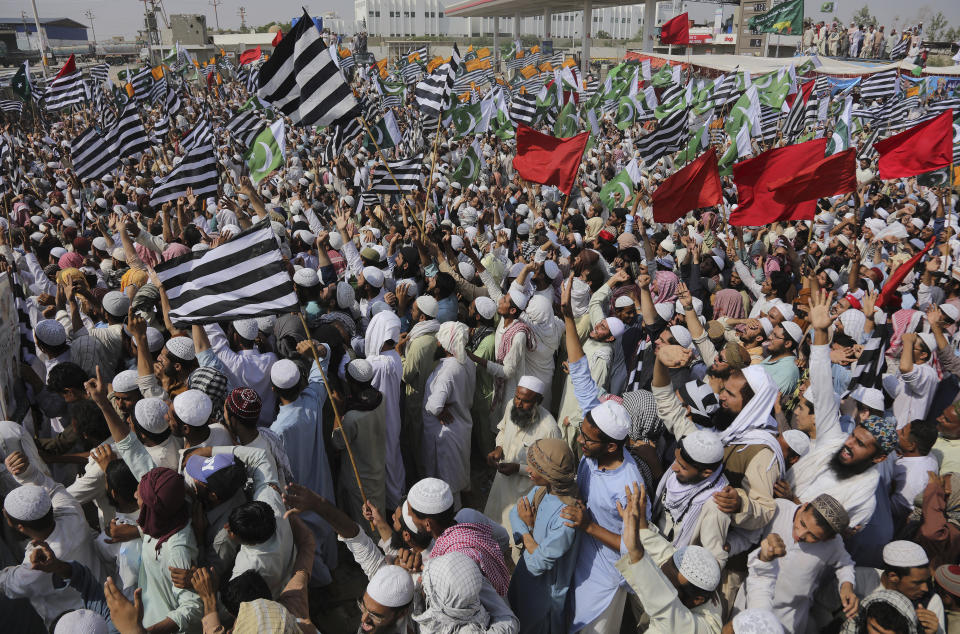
(477,542)
(213,383)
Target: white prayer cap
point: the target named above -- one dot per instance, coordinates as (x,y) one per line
(125,381)
(285,374)
(456,242)
(668,245)
(81,621)
(916,222)
(50,332)
(950,311)
(430,496)
(373,276)
(246,328)
(869,396)
(27,503)
(519,298)
(767,326)
(616,326)
(266,324)
(116,303)
(305,236)
(833,275)
(612,419)
(154,338)
(793,330)
(798,441)
(58,252)
(756,621)
(904,554)
(551,269)
(306,277)
(360,370)
(928,340)
(151,414)
(486,307)
(532,383)
(391,586)
(842,239)
(703,446)
(100,243)
(698,566)
(682,336)
(193,407)
(335,240)
(623,301)
(101,203)
(428,306)
(785,309)
(665,310)
(119,255)
(182,348)
(345,295)
(467,270)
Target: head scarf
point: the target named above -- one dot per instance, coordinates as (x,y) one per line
(552,458)
(68,276)
(452,337)
(904,320)
(545,325)
(451,588)
(213,383)
(70,260)
(754,424)
(163,509)
(343,319)
(137,277)
(892,598)
(263,615)
(666,286)
(728,303)
(580,297)
(174,250)
(853,321)
(645,423)
(147,256)
(383,327)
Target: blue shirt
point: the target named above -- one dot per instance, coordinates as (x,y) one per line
(447,309)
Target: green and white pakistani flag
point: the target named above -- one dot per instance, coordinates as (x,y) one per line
(20,84)
(468,172)
(502,126)
(386,134)
(618,190)
(662,77)
(774,87)
(628,111)
(267,151)
(698,141)
(567,122)
(745,112)
(840,140)
(466,119)
(786,17)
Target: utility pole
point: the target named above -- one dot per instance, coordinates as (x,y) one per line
(216,16)
(41,39)
(89,15)
(242,11)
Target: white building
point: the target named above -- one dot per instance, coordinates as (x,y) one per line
(417,18)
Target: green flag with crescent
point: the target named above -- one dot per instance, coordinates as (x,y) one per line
(567,122)
(266,153)
(465,119)
(386,133)
(468,172)
(840,139)
(619,189)
(20,84)
(785,18)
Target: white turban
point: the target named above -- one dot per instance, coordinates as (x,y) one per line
(453,337)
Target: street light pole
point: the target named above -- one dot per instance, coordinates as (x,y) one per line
(89,15)
(216,16)
(41,38)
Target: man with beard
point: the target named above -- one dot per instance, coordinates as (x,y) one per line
(525,422)
(844,466)
(780,363)
(720,363)
(906,569)
(167,376)
(765,296)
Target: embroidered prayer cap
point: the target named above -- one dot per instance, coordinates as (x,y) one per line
(125,381)
(373,276)
(884,432)
(245,404)
(50,332)
(623,301)
(306,277)
(285,374)
(698,566)
(948,578)
(756,621)
(486,307)
(430,496)
(116,303)
(193,407)
(703,446)
(27,503)
(905,554)
(798,441)
(391,586)
(360,370)
(467,270)
(612,418)
(665,310)
(151,414)
(518,297)
(428,306)
(832,511)
(785,309)
(345,295)
(246,328)
(81,621)
(532,383)
(182,348)
(266,324)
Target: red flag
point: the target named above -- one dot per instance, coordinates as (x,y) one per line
(548,160)
(803,93)
(836,174)
(676,31)
(69,67)
(756,204)
(893,282)
(920,149)
(696,185)
(250,55)
(277,38)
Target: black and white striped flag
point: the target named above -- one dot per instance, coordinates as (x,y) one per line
(201,134)
(100,72)
(341,132)
(252,81)
(142,84)
(173,102)
(405,171)
(670,136)
(244,126)
(6,154)
(523,108)
(879,86)
(433,93)
(91,155)
(900,49)
(246,277)
(129,136)
(11,106)
(158,91)
(866,150)
(198,170)
(108,116)
(302,81)
(65,91)
(161,129)
(870,365)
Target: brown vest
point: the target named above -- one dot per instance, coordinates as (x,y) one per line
(735,462)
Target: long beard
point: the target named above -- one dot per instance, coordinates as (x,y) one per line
(845,471)
(523,418)
(722,419)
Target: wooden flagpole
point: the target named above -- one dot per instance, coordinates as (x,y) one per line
(337,422)
(436,143)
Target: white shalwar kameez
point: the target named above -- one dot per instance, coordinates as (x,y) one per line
(446,446)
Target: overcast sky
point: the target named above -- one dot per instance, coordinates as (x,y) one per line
(125,17)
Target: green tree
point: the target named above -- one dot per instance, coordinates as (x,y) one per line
(602,35)
(863,16)
(936,27)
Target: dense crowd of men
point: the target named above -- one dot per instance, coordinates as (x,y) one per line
(516,410)
(866,41)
